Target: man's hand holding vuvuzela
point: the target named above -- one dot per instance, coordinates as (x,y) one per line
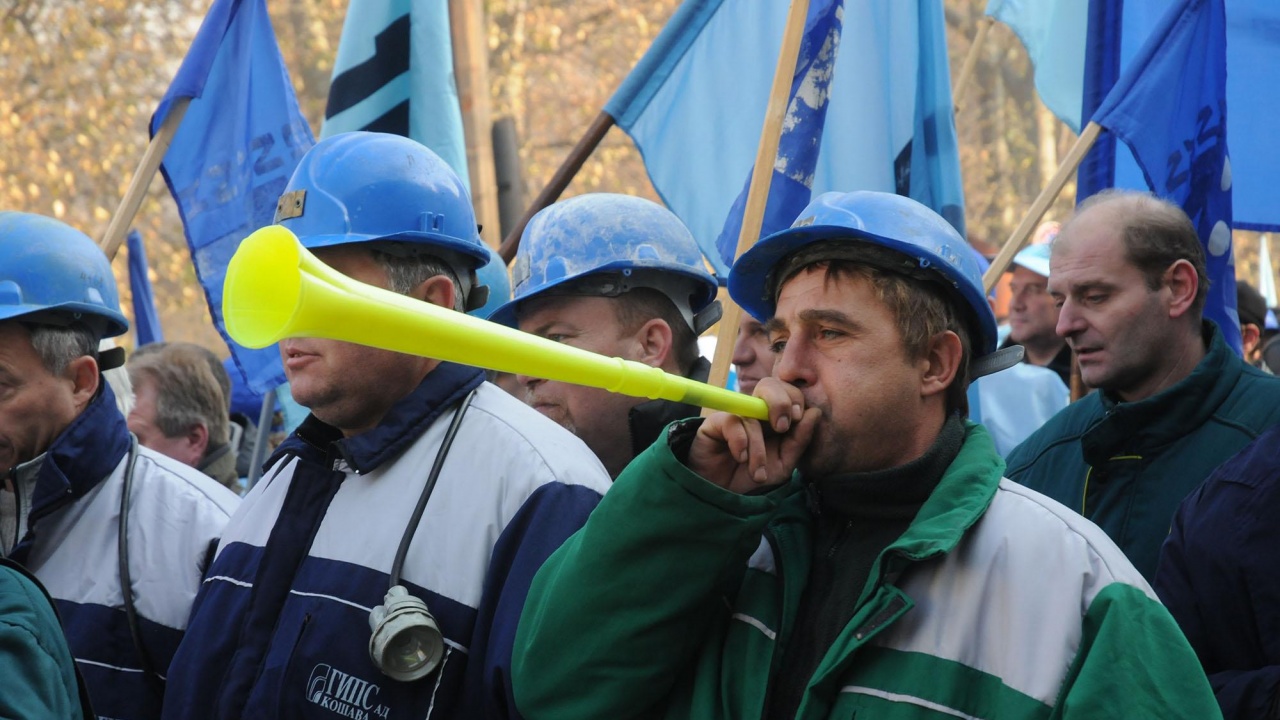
(743,454)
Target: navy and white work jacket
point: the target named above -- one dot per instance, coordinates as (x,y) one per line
(281,626)
(71,544)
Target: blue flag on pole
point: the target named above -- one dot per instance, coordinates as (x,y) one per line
(1089,43)
(695,104)
(234,151)
(146,323)
(1170,108)
(394,74)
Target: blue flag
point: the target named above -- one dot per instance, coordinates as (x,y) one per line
(695,104)
(1053,32)
(234,151)
(394,74)
(1089,43)
(146,323)
(1170,108)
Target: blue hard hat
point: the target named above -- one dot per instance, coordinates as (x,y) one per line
(932,247)
(359,187)
(494,276)
(51,273)
(631,240)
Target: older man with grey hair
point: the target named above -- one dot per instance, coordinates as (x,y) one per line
(181,407)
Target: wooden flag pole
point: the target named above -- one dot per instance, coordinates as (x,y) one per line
(1041,205)
(971,61)
(128,209)
(559,181)
(471,71)
(761,176)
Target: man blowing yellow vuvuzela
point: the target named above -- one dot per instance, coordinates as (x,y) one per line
(859,555)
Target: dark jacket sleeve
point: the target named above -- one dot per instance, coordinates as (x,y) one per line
(1219,575)
(621,608)
(553,513)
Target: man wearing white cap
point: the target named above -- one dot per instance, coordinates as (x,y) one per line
(1033,314)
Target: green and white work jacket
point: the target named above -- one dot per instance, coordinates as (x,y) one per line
(677,600)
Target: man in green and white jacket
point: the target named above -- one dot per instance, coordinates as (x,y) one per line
(860,554)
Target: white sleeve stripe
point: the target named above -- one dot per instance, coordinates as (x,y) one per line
(226,579)
(331,597)
(82,661)
(753,622)
(909,699)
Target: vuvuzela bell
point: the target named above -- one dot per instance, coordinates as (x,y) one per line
(276,289)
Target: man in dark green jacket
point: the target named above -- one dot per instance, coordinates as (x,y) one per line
(896,575)
(1173,401)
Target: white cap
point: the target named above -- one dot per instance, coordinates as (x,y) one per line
(1034,258)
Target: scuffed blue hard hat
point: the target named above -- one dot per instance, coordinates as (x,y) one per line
(626,239)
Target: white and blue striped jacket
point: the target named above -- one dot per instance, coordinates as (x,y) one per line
(176,514)
(281,627)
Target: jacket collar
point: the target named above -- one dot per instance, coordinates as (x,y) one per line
(404,423)
(83,455)
(1168,415)
(961,497)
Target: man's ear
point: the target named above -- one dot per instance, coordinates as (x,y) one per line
(654,343)
(1183,282)
(437,290)
(84,377)
(941,363)
(1249,337)
(197,438)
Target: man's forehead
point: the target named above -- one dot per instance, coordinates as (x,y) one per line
(1028,277)
(16,351)
(814,289)
(13,334)
(563,308)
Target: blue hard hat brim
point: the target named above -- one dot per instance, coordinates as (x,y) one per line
(113,324)
(748,279)
(506,313)
(427,240)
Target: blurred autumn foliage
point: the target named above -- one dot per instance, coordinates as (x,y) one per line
(79,81)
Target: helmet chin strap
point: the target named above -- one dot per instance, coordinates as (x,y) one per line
(477,298)
(707,316)
(995,362)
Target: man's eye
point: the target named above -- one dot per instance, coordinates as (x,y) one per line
(828,334)
(556,337)
(777,346)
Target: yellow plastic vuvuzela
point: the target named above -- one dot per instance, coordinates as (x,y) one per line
(276,289)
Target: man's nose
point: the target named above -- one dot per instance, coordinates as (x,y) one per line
(1070,321)
(792,366)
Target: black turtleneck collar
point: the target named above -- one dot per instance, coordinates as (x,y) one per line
(896,492)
